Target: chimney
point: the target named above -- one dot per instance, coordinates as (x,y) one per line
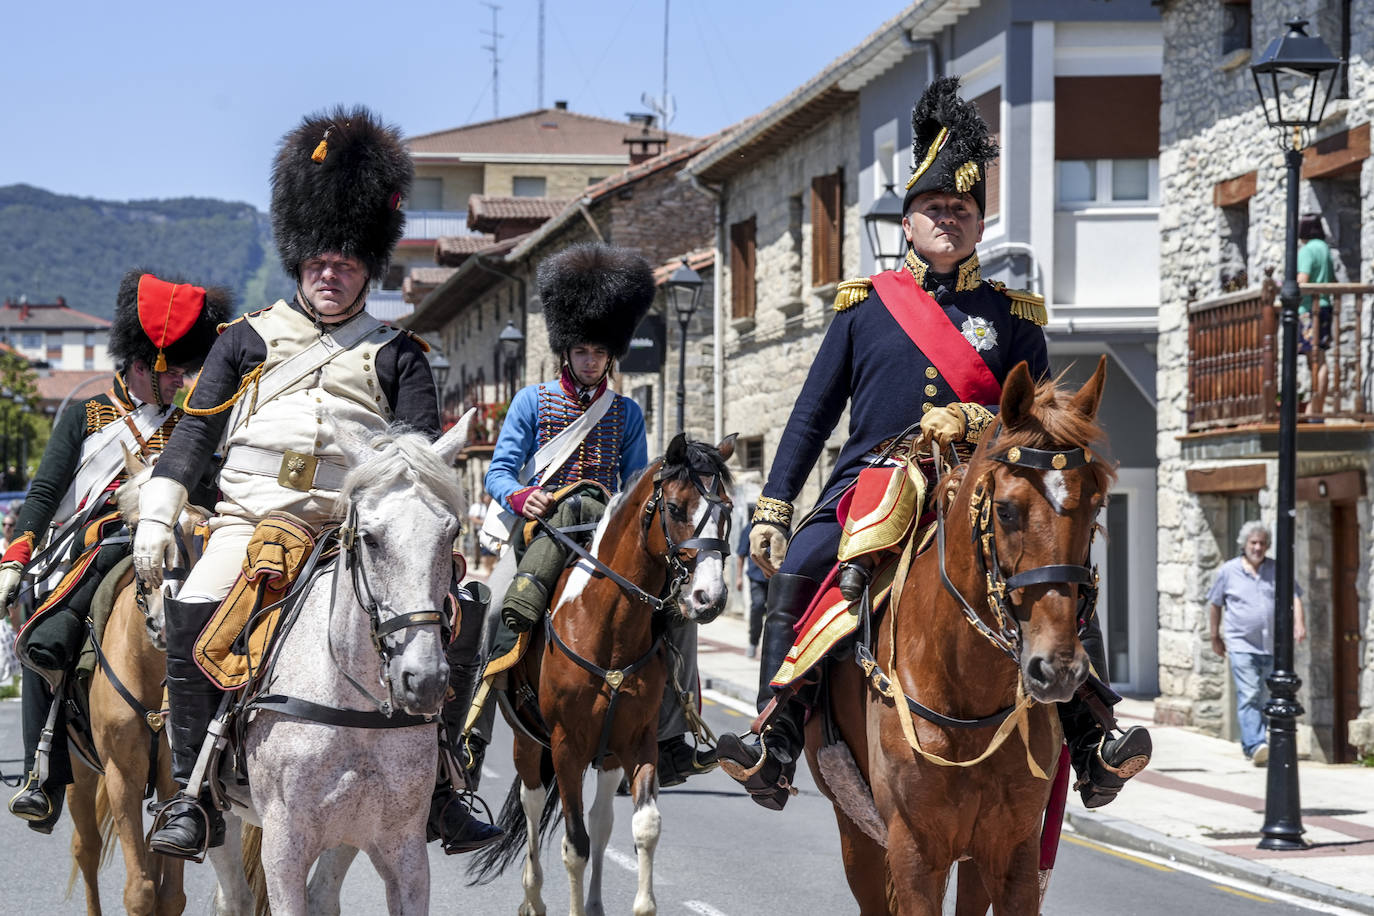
(23,310)
(561,104)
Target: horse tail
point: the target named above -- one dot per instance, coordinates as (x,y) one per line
(105,826)
(492,861)
(252,868)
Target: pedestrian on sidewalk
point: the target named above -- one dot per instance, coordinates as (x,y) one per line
(758,586)
(1242,627)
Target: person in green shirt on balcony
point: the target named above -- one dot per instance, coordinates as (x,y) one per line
(1315,266)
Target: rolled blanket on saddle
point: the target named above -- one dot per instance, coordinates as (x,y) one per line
(231,647)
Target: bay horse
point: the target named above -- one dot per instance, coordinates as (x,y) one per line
(1028,499)
(344,750)
(599,668)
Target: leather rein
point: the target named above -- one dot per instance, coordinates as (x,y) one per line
(343,544)
(719,508)
(1007,634)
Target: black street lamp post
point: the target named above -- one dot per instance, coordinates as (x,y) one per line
(886,211)
(684,293)
(1288,77)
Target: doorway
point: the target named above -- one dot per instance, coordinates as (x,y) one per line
(1345,624)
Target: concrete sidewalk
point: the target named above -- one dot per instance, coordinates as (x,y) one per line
(1200,803)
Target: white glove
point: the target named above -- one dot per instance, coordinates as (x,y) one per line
(10,573)
(159,504)
(767,546)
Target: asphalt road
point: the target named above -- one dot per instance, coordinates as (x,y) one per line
(720,855)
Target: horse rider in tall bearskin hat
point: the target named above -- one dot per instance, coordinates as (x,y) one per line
(293,368)
(925,346)
(568,444)
(163,327)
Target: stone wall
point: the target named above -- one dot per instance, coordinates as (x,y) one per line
(1212,129)
(767,356)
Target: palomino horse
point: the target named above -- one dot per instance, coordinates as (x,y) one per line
(601,677)
(1026,502)
(344,750)
(126,724)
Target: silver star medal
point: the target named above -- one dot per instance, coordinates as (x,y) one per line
(980,333)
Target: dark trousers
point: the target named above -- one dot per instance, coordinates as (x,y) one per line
(758,599)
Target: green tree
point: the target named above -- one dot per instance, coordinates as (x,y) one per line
(24,430)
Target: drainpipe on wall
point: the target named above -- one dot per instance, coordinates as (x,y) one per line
(931,47)
(717,319)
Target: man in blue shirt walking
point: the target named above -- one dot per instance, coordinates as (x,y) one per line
(1242,626)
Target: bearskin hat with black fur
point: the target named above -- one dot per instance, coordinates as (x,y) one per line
(337,185)
(594,293)
(950,145)
(161,315)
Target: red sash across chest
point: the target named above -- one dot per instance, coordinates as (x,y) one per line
(921,317)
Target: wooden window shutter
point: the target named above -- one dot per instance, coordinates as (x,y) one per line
(827,228)
(989,105)
(742,263)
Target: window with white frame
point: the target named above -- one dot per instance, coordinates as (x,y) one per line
(1098,182)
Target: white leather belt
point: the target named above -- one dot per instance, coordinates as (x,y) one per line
(294,470)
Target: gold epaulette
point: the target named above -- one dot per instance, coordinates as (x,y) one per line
(851,292)
(224,325)
(1024,303)
(424,344)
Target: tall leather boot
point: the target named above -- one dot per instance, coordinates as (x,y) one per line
(39,802)
(450,818)
(677,759)
(766,767)
(1102,761)
(187,825)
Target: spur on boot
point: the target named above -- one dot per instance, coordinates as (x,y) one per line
(1104,766)
(765,768)
(678,760)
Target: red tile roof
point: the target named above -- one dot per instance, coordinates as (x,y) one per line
(47,316)
(485,211)
(548,131)
(698,260)
(55,385)
(451,250)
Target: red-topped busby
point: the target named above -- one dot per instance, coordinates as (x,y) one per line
(595,293)
(337,185)
(950,145)
(166,322)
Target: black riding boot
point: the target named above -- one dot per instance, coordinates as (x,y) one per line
(1102,762)
(40,802)
(766,767)
(187,826)
(450,819)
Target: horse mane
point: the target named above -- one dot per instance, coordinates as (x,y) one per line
(702,458)
(401,453)
(1054,423)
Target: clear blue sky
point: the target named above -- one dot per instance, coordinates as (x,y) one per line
(141,99)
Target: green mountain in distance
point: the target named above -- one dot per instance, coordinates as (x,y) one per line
(79,248)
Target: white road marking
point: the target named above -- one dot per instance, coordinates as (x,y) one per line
(702,908)
(631,864)
(729,702)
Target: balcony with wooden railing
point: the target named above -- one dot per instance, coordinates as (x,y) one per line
(1233,358)
(486,426)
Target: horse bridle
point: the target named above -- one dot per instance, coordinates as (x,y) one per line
(382,631)
(719,508)
(1008,617)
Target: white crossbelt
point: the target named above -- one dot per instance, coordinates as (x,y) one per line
(329,475)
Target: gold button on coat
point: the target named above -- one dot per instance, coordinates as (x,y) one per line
(932,372)
(930,391)
(927,407)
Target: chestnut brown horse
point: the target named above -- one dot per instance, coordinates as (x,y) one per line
(1026,502)
(600,677)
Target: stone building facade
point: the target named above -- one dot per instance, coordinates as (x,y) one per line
(1222,222)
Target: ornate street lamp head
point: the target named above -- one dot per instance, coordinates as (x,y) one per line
(1294,78)
(886,211)
(684,291)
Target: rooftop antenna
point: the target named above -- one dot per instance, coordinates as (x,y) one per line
(495,61)
(664,106)
(539,79)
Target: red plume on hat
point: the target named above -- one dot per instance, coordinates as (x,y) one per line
(166,321)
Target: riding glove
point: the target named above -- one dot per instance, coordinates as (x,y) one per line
(10,573)
(159,505)
(767,546)
(943,425)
